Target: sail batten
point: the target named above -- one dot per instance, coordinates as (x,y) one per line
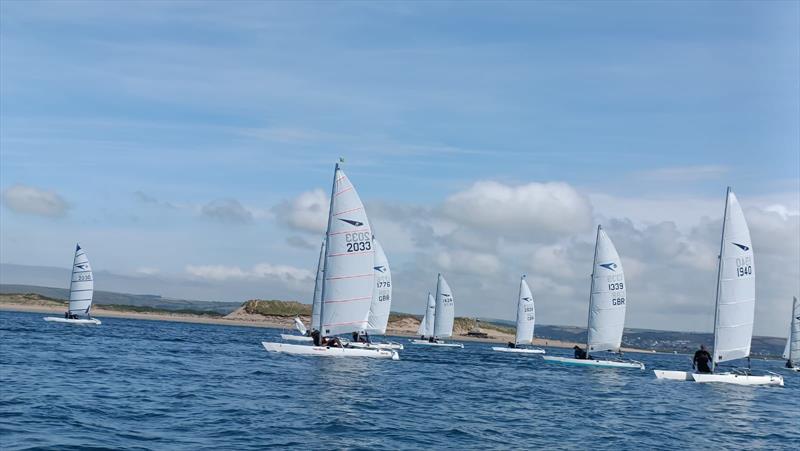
(348,280)
(445,310)
(607,302)
(735,306)
(81,287)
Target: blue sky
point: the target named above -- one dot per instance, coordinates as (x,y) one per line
(174,132)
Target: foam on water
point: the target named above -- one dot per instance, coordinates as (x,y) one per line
(150,384)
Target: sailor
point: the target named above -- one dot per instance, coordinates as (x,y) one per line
(66,315)
(789,363)
(701,359)
(579,352)
(511,344)
(316,337)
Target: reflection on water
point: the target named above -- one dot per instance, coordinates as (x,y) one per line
(187,386)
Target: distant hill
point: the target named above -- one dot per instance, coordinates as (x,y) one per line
(136,300)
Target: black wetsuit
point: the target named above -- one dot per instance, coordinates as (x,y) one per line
(701,359)
(580,353)
(512,344)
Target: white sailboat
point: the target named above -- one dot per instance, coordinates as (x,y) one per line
(607,300)
(381,305)
(443,318)
(81,292)
(526,318)
(348,276)
(792,351)
(735,304)
(305,335)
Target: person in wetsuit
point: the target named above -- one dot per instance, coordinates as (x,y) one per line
(789,363)
(316,337)
(701,360)
(579,352)
(511,344)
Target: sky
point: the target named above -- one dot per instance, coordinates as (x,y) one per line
(189,147)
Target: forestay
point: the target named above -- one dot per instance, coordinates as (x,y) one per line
(381,294)
(526,314)
(607,300)
(81,287)
(445,310)
(316,303)
(736,287)
(792,350)
(348,268)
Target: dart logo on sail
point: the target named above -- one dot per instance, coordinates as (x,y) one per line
(380,268)
(741,246)
(81,266)
(609,266)
(353,223)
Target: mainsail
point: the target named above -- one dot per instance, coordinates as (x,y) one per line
(349,257)
(736,287)
(81,287)
(381,293)
(445,310)
(426,325)
(526,314)
(316,304)
(607,299)
(792,351)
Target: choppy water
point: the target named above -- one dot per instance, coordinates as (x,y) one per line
(162,385)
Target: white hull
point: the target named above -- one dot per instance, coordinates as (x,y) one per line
(518,350)
(724,378)
(82,321)
(596,362)
(356,344)
(795,369)
(440,344)
(293,337)
(325,351)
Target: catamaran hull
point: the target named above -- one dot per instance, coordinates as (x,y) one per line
(292,337)
(79,322)
(724,378)
(518,350)
(325,351)
(439,344)
(597,363)
(355,344)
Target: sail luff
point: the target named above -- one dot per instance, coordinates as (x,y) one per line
(316,303)
(591,289)
(81,287)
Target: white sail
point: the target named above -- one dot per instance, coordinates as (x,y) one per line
(430,317)
(526,314)
(316,303)
(445,310)
(792,350)
(607,300)
(298,324)
(349,257)
(423,327)
(736,287)
(81,287)
(381,293)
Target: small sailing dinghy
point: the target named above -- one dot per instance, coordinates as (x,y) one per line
(526,317)
(347,276)
(381,304)
(443,317)
(81,291)
(735,304)
(315,305)
(606,308)
(792,351)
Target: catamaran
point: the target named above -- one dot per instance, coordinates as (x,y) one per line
(81,291)
(348,276)
(606,308)
(526,318)
(381,304)
(305,334)
(443,318)
(792,351)
(735,304)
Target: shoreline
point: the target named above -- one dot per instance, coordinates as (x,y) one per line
(284,324)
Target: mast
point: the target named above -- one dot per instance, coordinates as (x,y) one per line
(591,289)
(327,246)
(519,299)
(438,293)
(719,275)
(791,328)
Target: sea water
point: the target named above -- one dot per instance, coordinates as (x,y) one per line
(132,384)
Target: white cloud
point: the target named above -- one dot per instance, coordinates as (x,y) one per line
(284,273)
(227,210)
(307,212)
(34,201)
(529,212)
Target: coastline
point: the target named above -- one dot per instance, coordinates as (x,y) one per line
(282,323)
